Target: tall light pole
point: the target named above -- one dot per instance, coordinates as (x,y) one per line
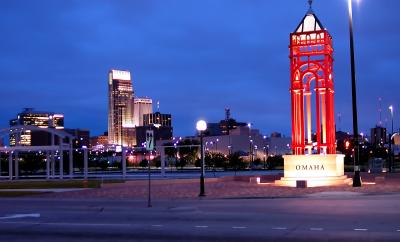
(265,150)
(201,126)
(356,176)
(250,145)
(390,141)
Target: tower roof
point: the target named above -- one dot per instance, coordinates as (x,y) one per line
(309,23)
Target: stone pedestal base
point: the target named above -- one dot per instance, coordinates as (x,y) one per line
(317,170)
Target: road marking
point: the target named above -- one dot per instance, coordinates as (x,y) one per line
(27,215)
(239,227)
(360,229)
(157,225)
(201,226)
(279,228)
(398,230)
(316,229)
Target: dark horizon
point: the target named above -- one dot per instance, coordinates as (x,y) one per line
(187,55)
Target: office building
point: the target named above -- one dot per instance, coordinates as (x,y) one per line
(41,119)
(157,119)
(141,107)
(120,96)
(223,127)
(160,123)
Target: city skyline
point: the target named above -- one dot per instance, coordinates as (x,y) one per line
(187,56)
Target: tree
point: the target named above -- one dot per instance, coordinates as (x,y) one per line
(235,161)
(188,153)
(170,151)
(182,162)
(157,161)
(31,162)
(275,162)
(144,163)
(257,162)
(215,160)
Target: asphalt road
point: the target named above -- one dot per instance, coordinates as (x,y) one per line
(337,217)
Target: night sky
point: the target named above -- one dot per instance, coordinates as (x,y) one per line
(195,56)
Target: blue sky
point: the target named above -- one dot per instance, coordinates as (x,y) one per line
(194,56)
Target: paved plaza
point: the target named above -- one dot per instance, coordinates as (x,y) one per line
(227,187)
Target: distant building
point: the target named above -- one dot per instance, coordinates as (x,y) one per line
(276,135)
(161,124)
(82,137)
(223,127)
(141,107)
(378,136)
(120,96)
(160,133)
(279,145)
(41,119)
(99,142)
(247,142)
(157,119)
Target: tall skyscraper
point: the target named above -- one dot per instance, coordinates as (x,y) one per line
(120,116)
(141,107)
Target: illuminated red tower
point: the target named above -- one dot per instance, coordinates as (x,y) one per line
(311,66)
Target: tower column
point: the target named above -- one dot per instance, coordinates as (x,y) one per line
(309,131)
(323,117)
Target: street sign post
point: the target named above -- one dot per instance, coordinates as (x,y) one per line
(149,140)
(149,147)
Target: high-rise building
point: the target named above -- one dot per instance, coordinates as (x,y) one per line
(31,117)
(120,116)
(141,107)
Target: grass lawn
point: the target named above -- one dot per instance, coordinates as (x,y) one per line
(32,184)
(18,193)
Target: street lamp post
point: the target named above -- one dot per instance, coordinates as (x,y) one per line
(390,141)
(356,177)
(265,151)
(265,155)
(201,126)
(250,141)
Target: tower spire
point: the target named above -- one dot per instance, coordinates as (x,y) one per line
(310,2)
